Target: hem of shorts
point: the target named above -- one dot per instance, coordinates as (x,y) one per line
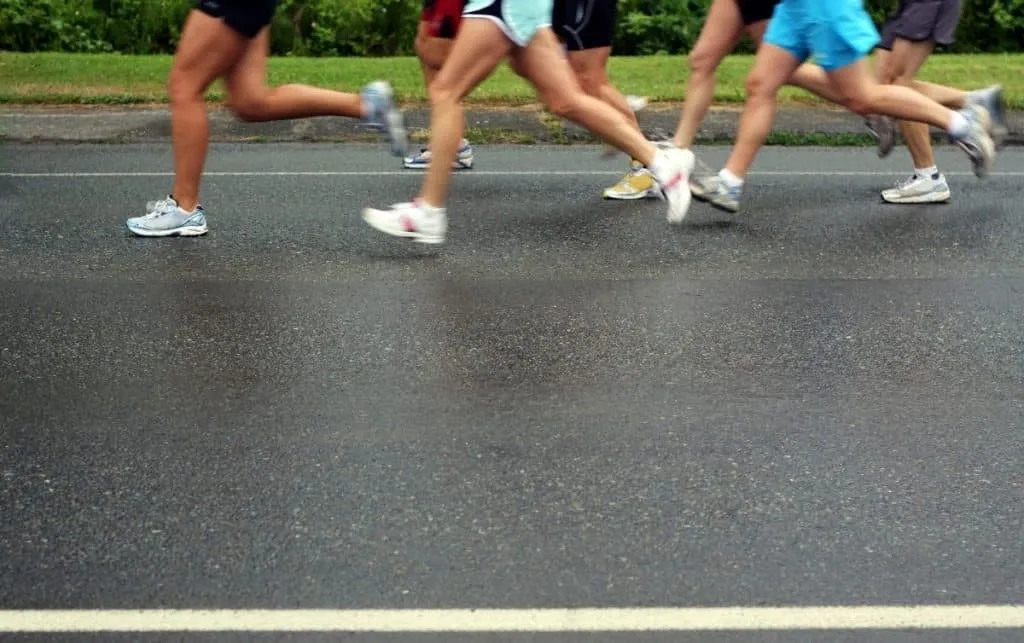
(516,40)
(591,48)
(944,43)
(860,55)
(498,21)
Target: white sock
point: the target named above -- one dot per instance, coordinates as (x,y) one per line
(926,172)
(958,126)
(729,179)
(427,208)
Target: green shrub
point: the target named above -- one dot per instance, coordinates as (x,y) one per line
(51,25)
(387,27)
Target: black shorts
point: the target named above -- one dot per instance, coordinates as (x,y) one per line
(443,17)
(585,24)
(247,17)
(754,11)
(922,21)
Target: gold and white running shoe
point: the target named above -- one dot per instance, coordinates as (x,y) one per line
(638,184)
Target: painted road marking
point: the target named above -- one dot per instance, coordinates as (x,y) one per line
(73,175)
(937,617)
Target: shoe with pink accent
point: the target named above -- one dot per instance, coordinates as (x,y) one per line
(416,220)
(672,170)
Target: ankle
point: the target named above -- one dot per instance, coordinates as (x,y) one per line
(187,203)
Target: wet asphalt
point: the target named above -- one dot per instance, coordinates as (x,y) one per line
(571,403)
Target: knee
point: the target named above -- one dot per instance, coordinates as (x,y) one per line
(860,104)
(565,105)
(760,87)
(895,74)
(182,88)
(591,81)
(702,62)
(441,94)
(247,106)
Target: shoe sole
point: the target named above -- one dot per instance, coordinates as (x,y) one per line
(941,197)
(649,194)
(457,165)
(188,231)
(724,208)
(698,194)
(418,237)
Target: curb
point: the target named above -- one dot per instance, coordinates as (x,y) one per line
(524,125)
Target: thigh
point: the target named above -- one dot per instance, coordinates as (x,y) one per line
(773,66)
(249,74)
(589,62)
(907,58)
(477,49)
(208,49)
(542,64)
(722,30)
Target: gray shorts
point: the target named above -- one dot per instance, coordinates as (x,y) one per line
(922,21)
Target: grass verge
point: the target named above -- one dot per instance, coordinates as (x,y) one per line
(110,79)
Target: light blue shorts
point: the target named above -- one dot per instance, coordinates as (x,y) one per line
(836,35)
(519,19)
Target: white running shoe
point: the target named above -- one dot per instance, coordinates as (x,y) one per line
(164,218)
(421,161)
(413,220)
(674,181)
(919,189)
(978,142)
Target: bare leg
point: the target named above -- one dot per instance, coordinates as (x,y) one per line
(543,66)
(862,94)
(477,50)
(590,67)
(969,128)
(432,52)
(772,68)
(558,88)
(903,64)
(208,49)
(252,100)
(479,46)
(722,30)
(807,76)
(948,96)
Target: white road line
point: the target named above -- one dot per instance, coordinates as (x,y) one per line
(930,617)
(47,175)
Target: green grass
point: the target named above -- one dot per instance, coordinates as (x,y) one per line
(76,79)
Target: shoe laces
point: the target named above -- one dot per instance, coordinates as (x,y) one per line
(907,182)
(156,209)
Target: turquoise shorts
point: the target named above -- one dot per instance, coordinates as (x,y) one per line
(519,19)
(835,32)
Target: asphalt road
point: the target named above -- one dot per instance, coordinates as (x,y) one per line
(570,403)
